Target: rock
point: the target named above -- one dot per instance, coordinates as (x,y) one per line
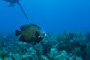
(78,58)
(16,56)
(61,56)
(43,57)
(0,58)
(27,57)
(8,58)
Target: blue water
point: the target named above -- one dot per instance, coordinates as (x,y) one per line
(51,15)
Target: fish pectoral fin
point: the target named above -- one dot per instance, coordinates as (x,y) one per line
(37,34)
(22,38)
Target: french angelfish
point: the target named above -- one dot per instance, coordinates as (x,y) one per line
(29,33)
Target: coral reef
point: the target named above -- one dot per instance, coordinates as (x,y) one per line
(65,46)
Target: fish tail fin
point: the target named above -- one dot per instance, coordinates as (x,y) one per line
(17,32)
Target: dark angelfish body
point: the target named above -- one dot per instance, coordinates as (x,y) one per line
(12,2)
(29,33)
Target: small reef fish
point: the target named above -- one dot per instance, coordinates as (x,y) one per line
(12,2)
(30,33)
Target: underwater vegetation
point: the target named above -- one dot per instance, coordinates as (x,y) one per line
(59,46)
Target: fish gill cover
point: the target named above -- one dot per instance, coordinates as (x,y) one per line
(65,22)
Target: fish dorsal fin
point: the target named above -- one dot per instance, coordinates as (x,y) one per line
(28,26)
(24,27)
